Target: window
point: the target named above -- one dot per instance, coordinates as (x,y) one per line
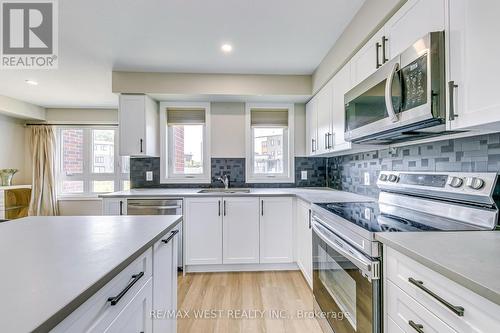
(268,144)
(185,142)
(106,172)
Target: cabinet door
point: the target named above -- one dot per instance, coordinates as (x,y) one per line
(135,317)
(276,230)
(304,240)
(473,63)
(364,62)
(113,206)
(240,230)
(203,227)
(132,118)
(324,109)
(165,281)
(341,84)
(312,126)
(412,21)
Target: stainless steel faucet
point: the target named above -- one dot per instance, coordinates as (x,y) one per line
(225,180)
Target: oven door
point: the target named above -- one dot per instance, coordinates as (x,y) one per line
(346,284)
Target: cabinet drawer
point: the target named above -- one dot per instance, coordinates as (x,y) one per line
(479,315)
(406,312)
(97,312)
(392,327)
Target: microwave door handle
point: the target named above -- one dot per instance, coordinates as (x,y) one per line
(388,94)
(337,244)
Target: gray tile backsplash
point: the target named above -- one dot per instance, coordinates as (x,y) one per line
(234,167)
(472,154)
(479,153)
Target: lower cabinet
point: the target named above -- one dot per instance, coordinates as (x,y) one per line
(304,240)
(276,230)
(240,231)
(114,206)
(137,299)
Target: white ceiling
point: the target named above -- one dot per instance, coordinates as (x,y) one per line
(97,37)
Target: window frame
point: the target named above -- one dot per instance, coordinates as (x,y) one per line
(288,175)
(166,174)
(88,175)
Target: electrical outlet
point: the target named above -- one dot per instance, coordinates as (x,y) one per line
(367,178)
(303,175)
(149,176)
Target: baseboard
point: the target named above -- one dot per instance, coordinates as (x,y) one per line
(241,268)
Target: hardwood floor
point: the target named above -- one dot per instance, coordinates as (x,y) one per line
(267,302)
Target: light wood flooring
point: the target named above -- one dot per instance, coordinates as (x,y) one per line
(267,302)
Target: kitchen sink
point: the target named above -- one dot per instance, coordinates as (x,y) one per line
(223,190)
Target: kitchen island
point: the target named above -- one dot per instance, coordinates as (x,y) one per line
(52,267)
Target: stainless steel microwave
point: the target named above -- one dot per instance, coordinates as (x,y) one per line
(403,100)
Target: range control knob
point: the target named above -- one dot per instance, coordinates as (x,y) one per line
(455,182)
(475,183)
(383,177)
(393,178)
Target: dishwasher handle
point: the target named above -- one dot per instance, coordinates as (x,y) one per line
(153,207)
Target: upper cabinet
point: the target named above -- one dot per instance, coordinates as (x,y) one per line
(312,126)
(138,131)
(370,57)
(341,83)
(473,69)
(412,21)
(324,110)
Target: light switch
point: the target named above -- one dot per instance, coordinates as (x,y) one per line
(149,176)
(367,179)
(303,175)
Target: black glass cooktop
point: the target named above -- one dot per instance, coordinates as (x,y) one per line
(371,216)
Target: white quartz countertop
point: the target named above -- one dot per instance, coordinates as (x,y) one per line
(51,265)
(311,195)
(471,258)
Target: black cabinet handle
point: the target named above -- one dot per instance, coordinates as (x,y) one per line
(451,90)
(169,238)
(458,310)
(224,207)
(417,327)
(117,298)
(262,207)
(377,47)
(141,145)
(219,208)
(310,218)
(384,44)
(121,207)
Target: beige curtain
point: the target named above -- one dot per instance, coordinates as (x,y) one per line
(43,154)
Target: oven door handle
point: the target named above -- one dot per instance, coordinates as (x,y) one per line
(369,268)
(154,207)
(388,94)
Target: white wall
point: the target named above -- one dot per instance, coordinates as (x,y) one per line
(82,116)
(14,148)
(19,109)
(228,130)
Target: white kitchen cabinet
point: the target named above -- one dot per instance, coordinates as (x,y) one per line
(240,230)
(413,20)
(312,126)
(276,230)
(203,230)
(341,84)
(114,206)
(135,317)
(472,60)
(366,61)
(304,239)
(138,126)
(324,121)
(165,281)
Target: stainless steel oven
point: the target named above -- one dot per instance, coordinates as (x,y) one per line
(403,100)
(346,284)
(151,206)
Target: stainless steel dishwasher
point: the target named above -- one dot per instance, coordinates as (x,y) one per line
(171,206)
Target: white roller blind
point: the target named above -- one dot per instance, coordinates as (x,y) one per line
(269,117)
(178,116)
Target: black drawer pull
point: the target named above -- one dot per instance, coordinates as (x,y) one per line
(172,234)
(458,310)
(117,298)
(417,327)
